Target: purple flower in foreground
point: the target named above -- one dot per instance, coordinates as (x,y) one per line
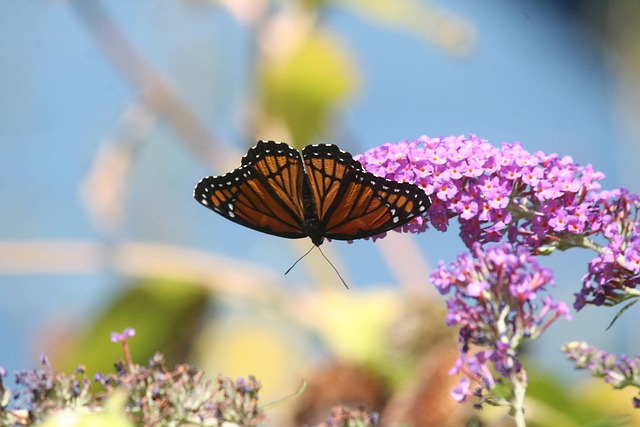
(124,336)
(155,395)
(618,370)
(497,303)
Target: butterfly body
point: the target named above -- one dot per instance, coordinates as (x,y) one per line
(324,193)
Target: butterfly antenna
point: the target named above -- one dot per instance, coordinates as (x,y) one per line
(334,267)
(298,260)
(325,257)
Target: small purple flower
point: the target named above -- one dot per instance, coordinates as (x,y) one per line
(242,385)
(124,336)
(475,289)
(44,360)
(463,390)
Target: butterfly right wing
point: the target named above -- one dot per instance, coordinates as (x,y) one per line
(352,203)
(264,194)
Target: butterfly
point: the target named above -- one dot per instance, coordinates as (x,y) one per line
(324,193)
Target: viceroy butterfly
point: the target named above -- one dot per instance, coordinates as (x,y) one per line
(329,195)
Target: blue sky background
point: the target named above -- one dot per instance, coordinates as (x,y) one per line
(536,75)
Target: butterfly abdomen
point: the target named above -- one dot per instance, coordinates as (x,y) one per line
(311,226)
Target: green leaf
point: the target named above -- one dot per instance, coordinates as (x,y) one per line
(619,313)
(276,403)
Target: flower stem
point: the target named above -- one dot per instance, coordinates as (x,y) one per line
(127,355)
(517,403)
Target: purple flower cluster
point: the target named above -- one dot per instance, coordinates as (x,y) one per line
(615,273)
(618,370)
(497,305)
(533,198)
(44,390)
(542,201)
(155,396)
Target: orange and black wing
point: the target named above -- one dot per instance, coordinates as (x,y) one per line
(264,193)
(352,203)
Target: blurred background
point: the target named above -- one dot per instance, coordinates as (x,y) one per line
(111,111)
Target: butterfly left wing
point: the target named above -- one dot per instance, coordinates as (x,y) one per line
(264,194)
(352,203)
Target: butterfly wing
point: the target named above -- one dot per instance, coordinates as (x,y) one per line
(352,203)
(264,193)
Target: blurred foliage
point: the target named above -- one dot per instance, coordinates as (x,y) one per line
(354,325)
(257,340)
(166,315)
(303,88)
(552,402)
(307,73)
